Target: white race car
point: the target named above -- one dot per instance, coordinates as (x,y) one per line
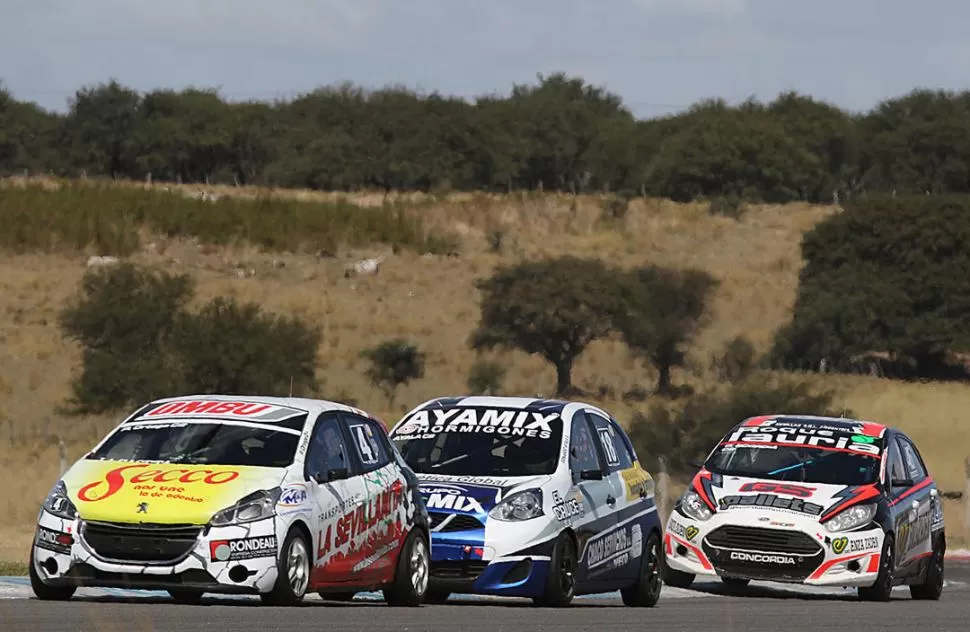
(814,500)
(532,498)
(258,495)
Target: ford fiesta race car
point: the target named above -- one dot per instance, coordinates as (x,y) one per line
(267,496)
(814,500)
(532,498)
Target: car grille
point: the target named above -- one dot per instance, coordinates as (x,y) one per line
(761,539)
(459,522)
(142,543)
(465,569)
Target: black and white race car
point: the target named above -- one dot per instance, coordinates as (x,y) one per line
(812,500)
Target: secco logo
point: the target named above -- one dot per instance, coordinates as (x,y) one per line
(115,479)
(741,556)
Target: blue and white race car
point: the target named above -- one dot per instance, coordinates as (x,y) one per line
(532,498)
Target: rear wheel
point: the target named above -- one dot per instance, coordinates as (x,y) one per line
(882,589)
(412,574)
(45,592)
(294,572)
(181,595)
(932,588)
(561,582)
(646,591)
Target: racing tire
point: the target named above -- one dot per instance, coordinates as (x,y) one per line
(932,588)
(412,574)
(561,581)
(646,591)
(293,576)
(44,592)
(677,579)
(882,588)
(184,596)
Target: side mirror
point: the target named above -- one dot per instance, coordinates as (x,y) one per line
(591,475)
(902,482)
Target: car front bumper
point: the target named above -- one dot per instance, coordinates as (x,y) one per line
(232,559)
(793,551)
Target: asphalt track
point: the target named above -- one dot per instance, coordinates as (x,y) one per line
(706,606)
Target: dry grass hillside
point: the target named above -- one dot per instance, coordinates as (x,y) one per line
(432,300)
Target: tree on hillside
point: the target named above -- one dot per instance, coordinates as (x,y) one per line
(393,363)
(100,125)
(886,275)
(663,308)
(554,308)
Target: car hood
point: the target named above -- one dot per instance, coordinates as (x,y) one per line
(773,497)
(475,495)
(162,493)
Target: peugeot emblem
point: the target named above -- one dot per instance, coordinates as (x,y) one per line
(142,508)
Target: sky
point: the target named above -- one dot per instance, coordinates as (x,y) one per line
(660,56)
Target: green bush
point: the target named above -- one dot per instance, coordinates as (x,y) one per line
(109,218)
(688,433)
(486,377)
(736,361)
(236,349)
(393,363)
(139,343)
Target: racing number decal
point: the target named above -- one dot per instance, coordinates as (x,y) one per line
(367,453)
(611,457)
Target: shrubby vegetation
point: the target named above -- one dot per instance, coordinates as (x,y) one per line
(559,133)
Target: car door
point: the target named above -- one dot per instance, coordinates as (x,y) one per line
(337,496)
(627,542)
(921,502)
(379,538)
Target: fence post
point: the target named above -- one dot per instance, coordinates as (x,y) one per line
(663,482)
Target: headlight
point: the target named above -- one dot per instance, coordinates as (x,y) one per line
(59,504)
(693,506)
(256,506)
(521,506)
(853,517)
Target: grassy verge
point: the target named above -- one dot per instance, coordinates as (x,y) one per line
(113,219)
(12,568)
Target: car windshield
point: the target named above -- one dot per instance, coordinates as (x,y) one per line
(807,464)
(201,442)
(481,442)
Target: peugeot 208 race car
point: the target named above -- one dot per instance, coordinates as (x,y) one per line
(532,498)
(267,496)
(815,500)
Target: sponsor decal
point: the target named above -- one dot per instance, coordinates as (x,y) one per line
(170,482)
(676,528)
(451,497)
(844,545)
(637,481)
(426,424)
(341,507)
(485,481)
(776,523)
(913,535)
(839,544)
(761,558)
(778,488)
(770,501)
(293,495)
(243,549)
(613,547)
(810,436)
(206,408)
(691,532)
(360,521)
(53,540)
(569,508)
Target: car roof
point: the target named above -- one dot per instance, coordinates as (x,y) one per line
(868,428)
(305,404)
(536,404)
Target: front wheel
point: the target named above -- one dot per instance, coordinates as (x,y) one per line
(646,591)
(561,582)
(932,588)
(294,572)
(412,574)
(882,588)
(45,592)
